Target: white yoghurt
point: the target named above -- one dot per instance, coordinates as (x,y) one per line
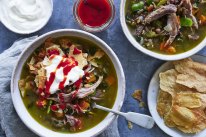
(25,16)
(74,74)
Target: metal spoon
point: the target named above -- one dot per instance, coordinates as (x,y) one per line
(136,118)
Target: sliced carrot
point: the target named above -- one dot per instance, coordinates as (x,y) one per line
(171,50)
(162,46)
(110,80)
(202,19)
(84,105)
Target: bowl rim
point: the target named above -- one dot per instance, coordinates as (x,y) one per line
(33,31)
(132,40)
(118,102)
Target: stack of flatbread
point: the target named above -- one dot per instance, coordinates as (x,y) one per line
(182,96)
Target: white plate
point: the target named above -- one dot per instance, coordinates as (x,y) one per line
(153,91)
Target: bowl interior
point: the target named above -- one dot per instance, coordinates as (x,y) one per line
(151,53)
(19,105)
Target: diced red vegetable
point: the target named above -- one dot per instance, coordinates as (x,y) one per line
(53,52)
(76,51)
(54,107)
(43,93)
(62,106)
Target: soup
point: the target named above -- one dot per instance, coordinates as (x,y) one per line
(167,26)
(60,81)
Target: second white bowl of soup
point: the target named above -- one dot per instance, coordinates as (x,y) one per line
(163,30)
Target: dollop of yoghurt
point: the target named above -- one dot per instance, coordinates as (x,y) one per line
(25,15)
(60,72)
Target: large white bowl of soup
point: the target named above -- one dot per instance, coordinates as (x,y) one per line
(165,29)
(59,76)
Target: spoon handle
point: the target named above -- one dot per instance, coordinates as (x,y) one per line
(139,119)
(110,110)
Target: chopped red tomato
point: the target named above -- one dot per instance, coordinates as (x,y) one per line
(54,107)
(62,106)
(76,51)
(53,52)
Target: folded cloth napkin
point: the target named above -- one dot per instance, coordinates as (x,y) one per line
(10,122)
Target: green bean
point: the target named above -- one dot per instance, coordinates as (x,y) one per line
(48,109)
(138,6)
(186,22)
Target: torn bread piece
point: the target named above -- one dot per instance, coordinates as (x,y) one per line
(193,74)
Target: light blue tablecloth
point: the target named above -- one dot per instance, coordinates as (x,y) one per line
(138,67)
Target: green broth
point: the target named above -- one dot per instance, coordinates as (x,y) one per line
(181,46)
(41,116)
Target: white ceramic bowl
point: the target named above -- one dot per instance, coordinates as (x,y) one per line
(11,28)
(20,107)
(151,53)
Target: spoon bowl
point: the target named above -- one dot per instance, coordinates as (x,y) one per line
(136,118)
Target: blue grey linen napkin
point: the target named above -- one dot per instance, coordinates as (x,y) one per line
(11,124)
